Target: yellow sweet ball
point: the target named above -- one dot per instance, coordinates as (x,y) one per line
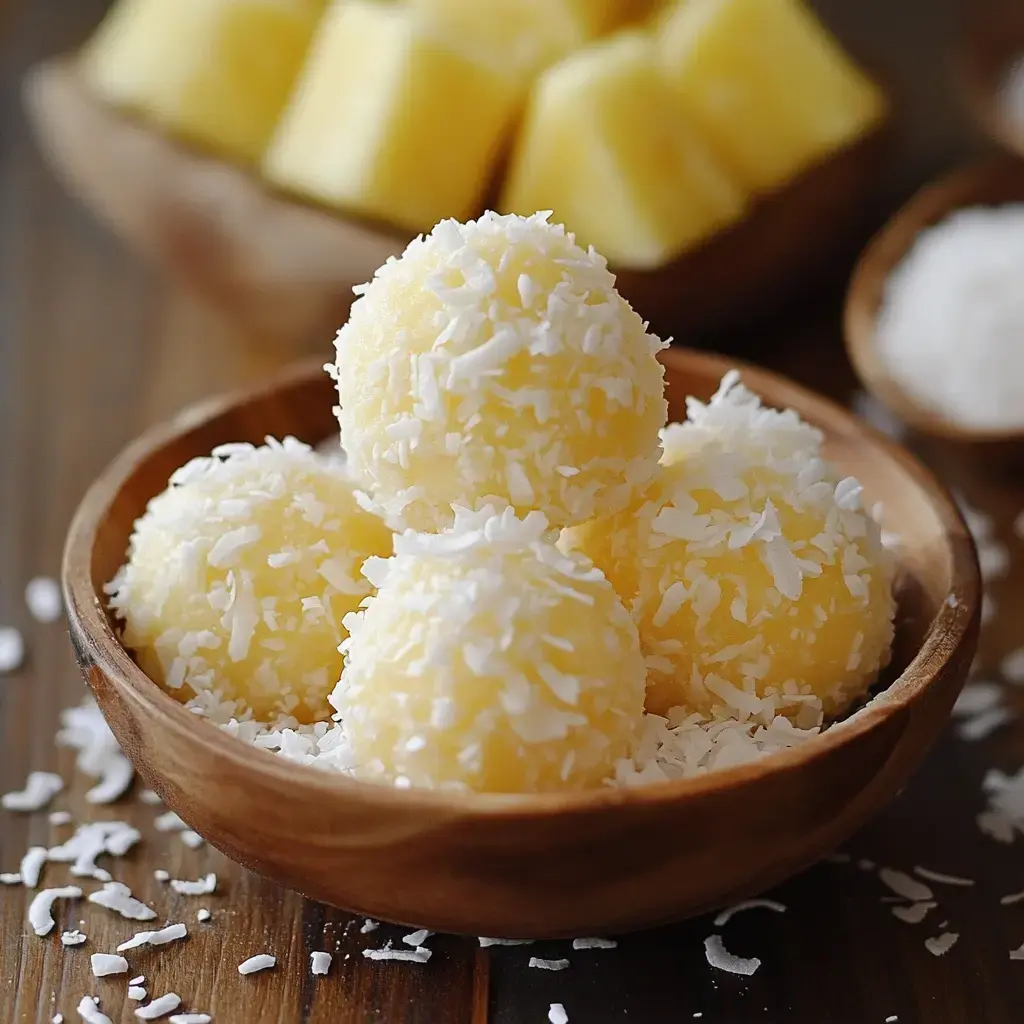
(490,661)
(758,583)
(495,363)
(239,575)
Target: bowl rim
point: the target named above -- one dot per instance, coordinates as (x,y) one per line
(99,644)
(933,202)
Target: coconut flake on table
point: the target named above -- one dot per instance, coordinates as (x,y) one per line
(1017,954)
(171,933)
(915,913)
(557,1014)
(904,885)
(320,962)
(960,280)
(149,796)
(190,1018)
(203,887)
(369,925)
(137,994)
(725,916)
(548,965)
(159,1007)
(259,962)
(12,650)
(60,817)
(486,941)
(73,938)
(43,598)
(40,789)
(107,963)
(193,840)
(84,729)
(1012,898)
(976,698)
(90,1012)
(40,910)
(92,840)
(719,957)
(139,979)
(594,943)
(203,915)
(118,897)
(1004,816)
(941,944)
(980,726)
(941,878)
(417,938)
(419,955)
(31,866)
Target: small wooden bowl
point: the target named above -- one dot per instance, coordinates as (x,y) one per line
(533,866)
(993,40)
(990,183)
(285,270)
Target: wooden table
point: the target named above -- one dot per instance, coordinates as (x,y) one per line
(92,348)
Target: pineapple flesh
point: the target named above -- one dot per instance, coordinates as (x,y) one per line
(389,122)
(766,83)
(527,35)
(604,149)
(216,73)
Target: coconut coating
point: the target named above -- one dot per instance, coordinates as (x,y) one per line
(240,573)
(495,363)
(750,568)
(489,660)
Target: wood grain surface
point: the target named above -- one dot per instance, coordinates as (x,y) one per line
(93,348)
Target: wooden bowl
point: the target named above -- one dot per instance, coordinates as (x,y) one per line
(993,41)
(990,183)
(533,866)
(286,270)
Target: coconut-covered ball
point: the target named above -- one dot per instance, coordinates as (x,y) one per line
(489,660)
(495,363)
(750,567)
(240,573)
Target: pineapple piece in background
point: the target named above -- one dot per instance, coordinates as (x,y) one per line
(604,148)
(390,122)
(527,35)
(214,72)
(767,84)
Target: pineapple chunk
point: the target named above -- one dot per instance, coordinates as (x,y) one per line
(527,35)
(389,122)
(604,148)
(215,72)
(766,83)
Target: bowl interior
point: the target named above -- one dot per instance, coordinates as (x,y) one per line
(991,183)
(935,556)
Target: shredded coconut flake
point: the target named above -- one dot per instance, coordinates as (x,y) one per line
(159,1007)
(942,879)
(203,887)
(904,885)
(941,944)
(40,910)
(719,957)
(485,942)
(43,598)
(108,963)
(12,650)
(557,1014)
(32,866)
(118,897)
(73,938)
(259,962)
(594,943)
(161,937)
(320,962)
(40,789)
(420,955)
(730,912)
(548,965)
(89,1011)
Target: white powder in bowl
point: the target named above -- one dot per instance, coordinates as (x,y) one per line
(951,327)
